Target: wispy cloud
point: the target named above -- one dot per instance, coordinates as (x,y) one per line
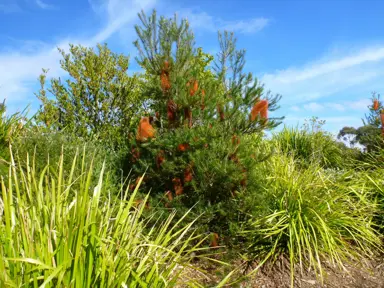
(358,105)
(20,69)
(202,20)
(328,76)
(9,6)
(245,26)
(313,106)
(44,5)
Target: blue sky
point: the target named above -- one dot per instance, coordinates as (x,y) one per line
(324,57)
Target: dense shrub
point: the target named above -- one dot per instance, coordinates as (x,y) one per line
(316,147)
(57,234)
(313,216)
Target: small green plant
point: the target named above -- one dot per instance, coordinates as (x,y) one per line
(313,217)
(57,234)
(311,146)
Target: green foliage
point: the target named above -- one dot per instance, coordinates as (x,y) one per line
(50,147)
(98,98)
(10,128)
(311,146)
(314,216)
(370,134)
(209,117)
(54,233)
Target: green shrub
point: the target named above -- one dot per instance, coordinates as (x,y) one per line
(56,235)
(311,147)
(10,128)
(314,215)
(49,147)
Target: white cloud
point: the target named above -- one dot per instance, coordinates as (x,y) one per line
(246,26)
(44,5)
(202,20)
(313,106)
(295,108)
(328,76)
(358,105)
(335,106)
(20,69)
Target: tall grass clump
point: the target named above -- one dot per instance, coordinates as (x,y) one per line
(10,127)
(54,233)
(312,218)
(310,147)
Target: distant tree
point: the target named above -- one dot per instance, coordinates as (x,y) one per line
(98,97)
(370,134)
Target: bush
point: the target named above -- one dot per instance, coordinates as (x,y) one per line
(313,216)
(49,147)
(311,147)
(55,235)
(10,128)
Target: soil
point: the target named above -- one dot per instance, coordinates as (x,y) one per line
(367,274)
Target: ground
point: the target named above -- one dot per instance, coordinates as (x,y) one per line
(370,274)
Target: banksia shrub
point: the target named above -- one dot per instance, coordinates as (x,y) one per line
(199,110)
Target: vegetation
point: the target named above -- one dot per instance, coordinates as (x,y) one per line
(175,173)
(56,235)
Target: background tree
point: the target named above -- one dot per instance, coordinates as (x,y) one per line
(370,134)
(203,136)
(98,98)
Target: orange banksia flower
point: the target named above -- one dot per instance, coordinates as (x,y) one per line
(177,186)
(375,104)
(164,78)
(160,158)
(188,174)
(221,112)
(382,118)
(188,116)
(194,86)
(169,195)
(235,140)
(135,154)
(260,108)
(171,110)
(183,147)
(145,130)
(214,240)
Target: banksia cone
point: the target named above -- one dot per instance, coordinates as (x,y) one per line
(382,118)
(375,104)
(160,158)
(145,130)
(214,240)
(194,87)
(188,174)
(169,195)
(221,112)
(260,108)
(177,186)
(171,110)
(135,154)
(188,116)
(235,140)
(164,78)
(183,147)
